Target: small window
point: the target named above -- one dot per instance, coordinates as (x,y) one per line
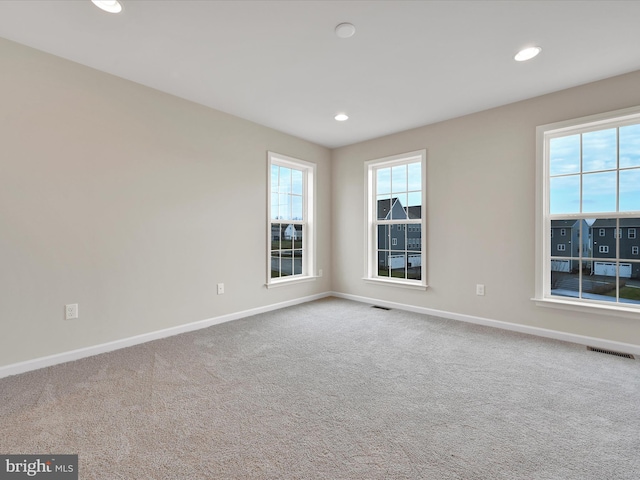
(635,250)
(561,247)
(291,251)
(396,219)
(631,233)
(603,249)
(563,232)
(602,232)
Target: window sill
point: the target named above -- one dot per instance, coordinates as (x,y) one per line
(396,283)
(593,308)
(290,281)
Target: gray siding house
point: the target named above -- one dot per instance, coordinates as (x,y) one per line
(566,237)
(606,239)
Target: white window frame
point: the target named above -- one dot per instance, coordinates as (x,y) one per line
(603,249)
(371,233)
(631,233)
(563,232)
(635,250)
(602,232)
(562,247)
(308,221)
(543,297)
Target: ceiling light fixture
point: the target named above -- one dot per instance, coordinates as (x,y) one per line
(111,6)
(345,30)
(341,117)
(527,54)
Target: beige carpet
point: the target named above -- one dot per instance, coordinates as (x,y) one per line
(335,389)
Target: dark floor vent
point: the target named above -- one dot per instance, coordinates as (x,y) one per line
(611,352)
(380,308)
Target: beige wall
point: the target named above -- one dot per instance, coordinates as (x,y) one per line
(481,211)
(131,203)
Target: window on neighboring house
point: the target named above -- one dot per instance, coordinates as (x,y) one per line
(291,252)
(563,232)
(634,250)
(631,233)
(396,197)
(561,247)
(588,173)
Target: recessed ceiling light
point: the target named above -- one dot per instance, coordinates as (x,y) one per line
(527,54)
(111,6)
(345,30)
(341,117)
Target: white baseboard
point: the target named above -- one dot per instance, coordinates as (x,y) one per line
(514,327)
(72,355)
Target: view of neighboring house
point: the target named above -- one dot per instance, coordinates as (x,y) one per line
(566,236)
(605,239)
(399,244)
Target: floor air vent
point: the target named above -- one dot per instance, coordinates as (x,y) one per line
(611,352)
(379,307)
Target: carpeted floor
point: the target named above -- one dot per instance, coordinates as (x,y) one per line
(334,389)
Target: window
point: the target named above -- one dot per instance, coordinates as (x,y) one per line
(563,232)
(631,233)
(291,249)
(634,250)
(588,172)
(396,197)
(561,247)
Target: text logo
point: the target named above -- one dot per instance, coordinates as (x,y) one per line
(45,467)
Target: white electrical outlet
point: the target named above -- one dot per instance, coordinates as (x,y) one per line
(71,311)
(220,288)
(479,289)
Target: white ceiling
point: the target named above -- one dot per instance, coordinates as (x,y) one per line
(279,63)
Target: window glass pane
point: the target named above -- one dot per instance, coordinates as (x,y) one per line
(296,182)
(630,282)
(599,150)
(414,203)
(284,207)
(383,237)
(275,236)
(383,181)
(398,264)
(599,281)
(297,262)
(630,190)
(564,155)
(398,237)
(565,194)
(275,264)
(296,207)
(599,192)
(398,206)
(274,177)
(414,262)
(285,180)
(565,281)
(630,146)
(383,263)
(603,236)
(384,207)
(414,238)
(297,239)
(275,209)
(286,263)
(399,179)
(415,176)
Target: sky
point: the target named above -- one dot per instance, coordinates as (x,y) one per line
(592,159)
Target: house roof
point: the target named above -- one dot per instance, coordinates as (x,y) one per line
(611,222)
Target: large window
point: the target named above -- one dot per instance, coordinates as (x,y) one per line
(589,180)
(291,250)
(396,219)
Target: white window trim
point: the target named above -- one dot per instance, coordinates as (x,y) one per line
(542,295)
(603,249)
(370,274)
(635,250)
(309,214)
(631,233)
